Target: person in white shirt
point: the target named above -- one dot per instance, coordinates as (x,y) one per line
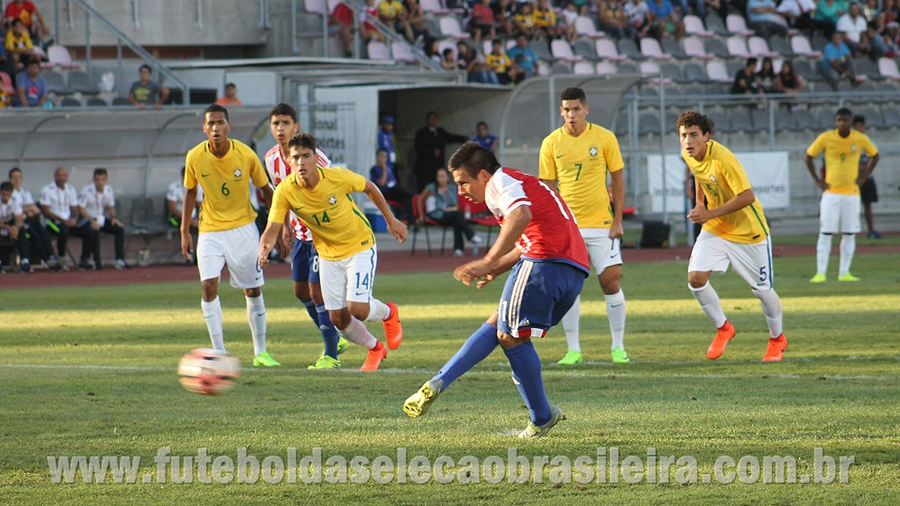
(12,225)
(36,234)
(98,204)
(59,203)
(853,25)
(799,14)
(175,203)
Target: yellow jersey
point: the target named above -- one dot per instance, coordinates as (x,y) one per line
(579,165)
(391,9)
(526,20)
(226,184)
(339,229)
(499,62)
(722,177)
(544,18)
(842,158)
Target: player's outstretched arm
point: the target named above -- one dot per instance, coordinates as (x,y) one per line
(500,253)
(267,242)
(187,242)
(395,226)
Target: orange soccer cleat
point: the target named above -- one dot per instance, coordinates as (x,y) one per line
(775,348)
(717,347)
(374,358)
(393,330)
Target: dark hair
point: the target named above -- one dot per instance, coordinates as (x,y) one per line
(430,114)
(496,41)
(230,85)
(573,94)
(34,60)
(694,118)
(6,186)
(100,171)
(216,108)
(843,111)
(283,109)
(446,52)
(145,66)
(481,124)
(14,170)
(379,151)
(750,61)
(859,119)
(303,141)
(473,158)
(182,170)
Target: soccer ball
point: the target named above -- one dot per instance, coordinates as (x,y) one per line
(208,372)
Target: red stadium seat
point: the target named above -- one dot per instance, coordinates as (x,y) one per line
(425,226)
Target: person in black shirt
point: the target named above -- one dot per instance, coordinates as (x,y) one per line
(429,145)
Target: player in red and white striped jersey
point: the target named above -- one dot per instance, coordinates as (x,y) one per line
(304,259)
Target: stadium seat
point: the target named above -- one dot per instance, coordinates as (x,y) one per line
(605,68)
(673,72)
(887,67)
(693,25)
(450,28)
(760,118)
(316,7)
(736,25)
(59,56)
(480,216)
(6,83)
(716,72)
(873,117)
(628,68)
(401,52)
(583,69)
(805,120)
(541,50)
(434,7)
(825,117)
(96,102)
(739,120)
(451,45)
(715,24)
(560,68)
(620,125)
(648,124)
(819,42)
(693,47)
(716,47)
(734,66)
(650,49)
(807,70)
(758,47)
(69,102)
(784,120)
(120,101)
(781,46)
(650,69)
(563,51)
(606,49)
(585,27)
(892,117)
(628,48)
(378,51)
(737,47)
(585,49)
(694,73)
(864,66)
(672,47)
(429,223)
(800,45)
(857,98)
(79,82)
(55,83)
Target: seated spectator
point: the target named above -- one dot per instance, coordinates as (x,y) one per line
(477,71)
(581,6)
(788,81)
(762,18)
(39,237)
(59,203)
(366,29)
(230,97)
(98,204)
(387,141)
(433,50)
(383,176)
(836,64)
(483,23)
(567,22)
(798,13)
(872,12)
(342,22)
(415,17)
(827,14)
(146,93)
(439,202)
(504,14)
(611,18)
(523,22)
(524,58)
(484,138)
(31,18)
(746,82)
(637,16)
(12,225)
(449,61)
(18,43)
(766,76)
(699,7)
(31,87)
(175,203)
(544,20)
(393,14)
(891,39)
(501,63)
(854,26)
(665,20)
(891,11)
(875,40)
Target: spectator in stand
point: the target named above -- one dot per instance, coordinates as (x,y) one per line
(31,17)
(523,22)
(384,178)
(836,63)
(524,58)
(787,81)
(637,14)
(12,225)
(39,237)
(483,23)
(665,20)
(875,39)
(484,138)
(762,18)
(827,14)
(478,71)
(439,201)
(872,12)
(746,82)
(416,20)
(31,88)
(98,205)
(504,14)
(581,6)
(59,203)
(545,20)
(366,29)
(854,27)
(699,7)
(146,93)
(611,18)
(393,14)
(501,63)
(387,140)
(449,61)
(766,76)
(798,13)
(17,43)
(342,21)
(230,98)
(429,145)
(433,50)
(567,22)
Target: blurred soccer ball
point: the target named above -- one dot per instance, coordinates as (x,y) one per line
(208,372)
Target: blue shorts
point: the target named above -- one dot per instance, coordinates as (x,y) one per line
(304,262)
(536,296)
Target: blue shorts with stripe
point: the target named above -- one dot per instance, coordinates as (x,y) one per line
(537,295)
(304,262)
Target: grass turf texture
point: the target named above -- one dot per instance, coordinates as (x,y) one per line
(91,371)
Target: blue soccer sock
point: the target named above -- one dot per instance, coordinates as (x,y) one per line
(311,310)
(330,334)
(476,348)
(526,366)
(521,390)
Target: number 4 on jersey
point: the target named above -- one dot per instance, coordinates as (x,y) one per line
(325,219)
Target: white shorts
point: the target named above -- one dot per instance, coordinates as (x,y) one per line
(839,213)
(603,251)
(350,279)
(753,262)
(238,248)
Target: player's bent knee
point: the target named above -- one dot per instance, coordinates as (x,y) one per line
(358,310)
(252,292)
(340,318)
(301,290)
(698,279)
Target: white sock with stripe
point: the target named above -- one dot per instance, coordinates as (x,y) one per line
(848,247)
(615,312)
(212,312)
(771,306)
(570,325)
(256,317)
(378,311)
(357,333)
(709,301)
(823,251)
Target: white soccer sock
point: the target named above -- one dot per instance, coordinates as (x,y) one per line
(570,325)
(615,312)
(357,333)
(256,316)
(709,301)
(771,306)
(848,247)
(823,251)
(212,312)
(378,311)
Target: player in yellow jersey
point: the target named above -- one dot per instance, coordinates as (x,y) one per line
(228,233)
(734,232)
(839,207)
(576,159)
(320,197)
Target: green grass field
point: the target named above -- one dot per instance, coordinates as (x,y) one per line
(91,371)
